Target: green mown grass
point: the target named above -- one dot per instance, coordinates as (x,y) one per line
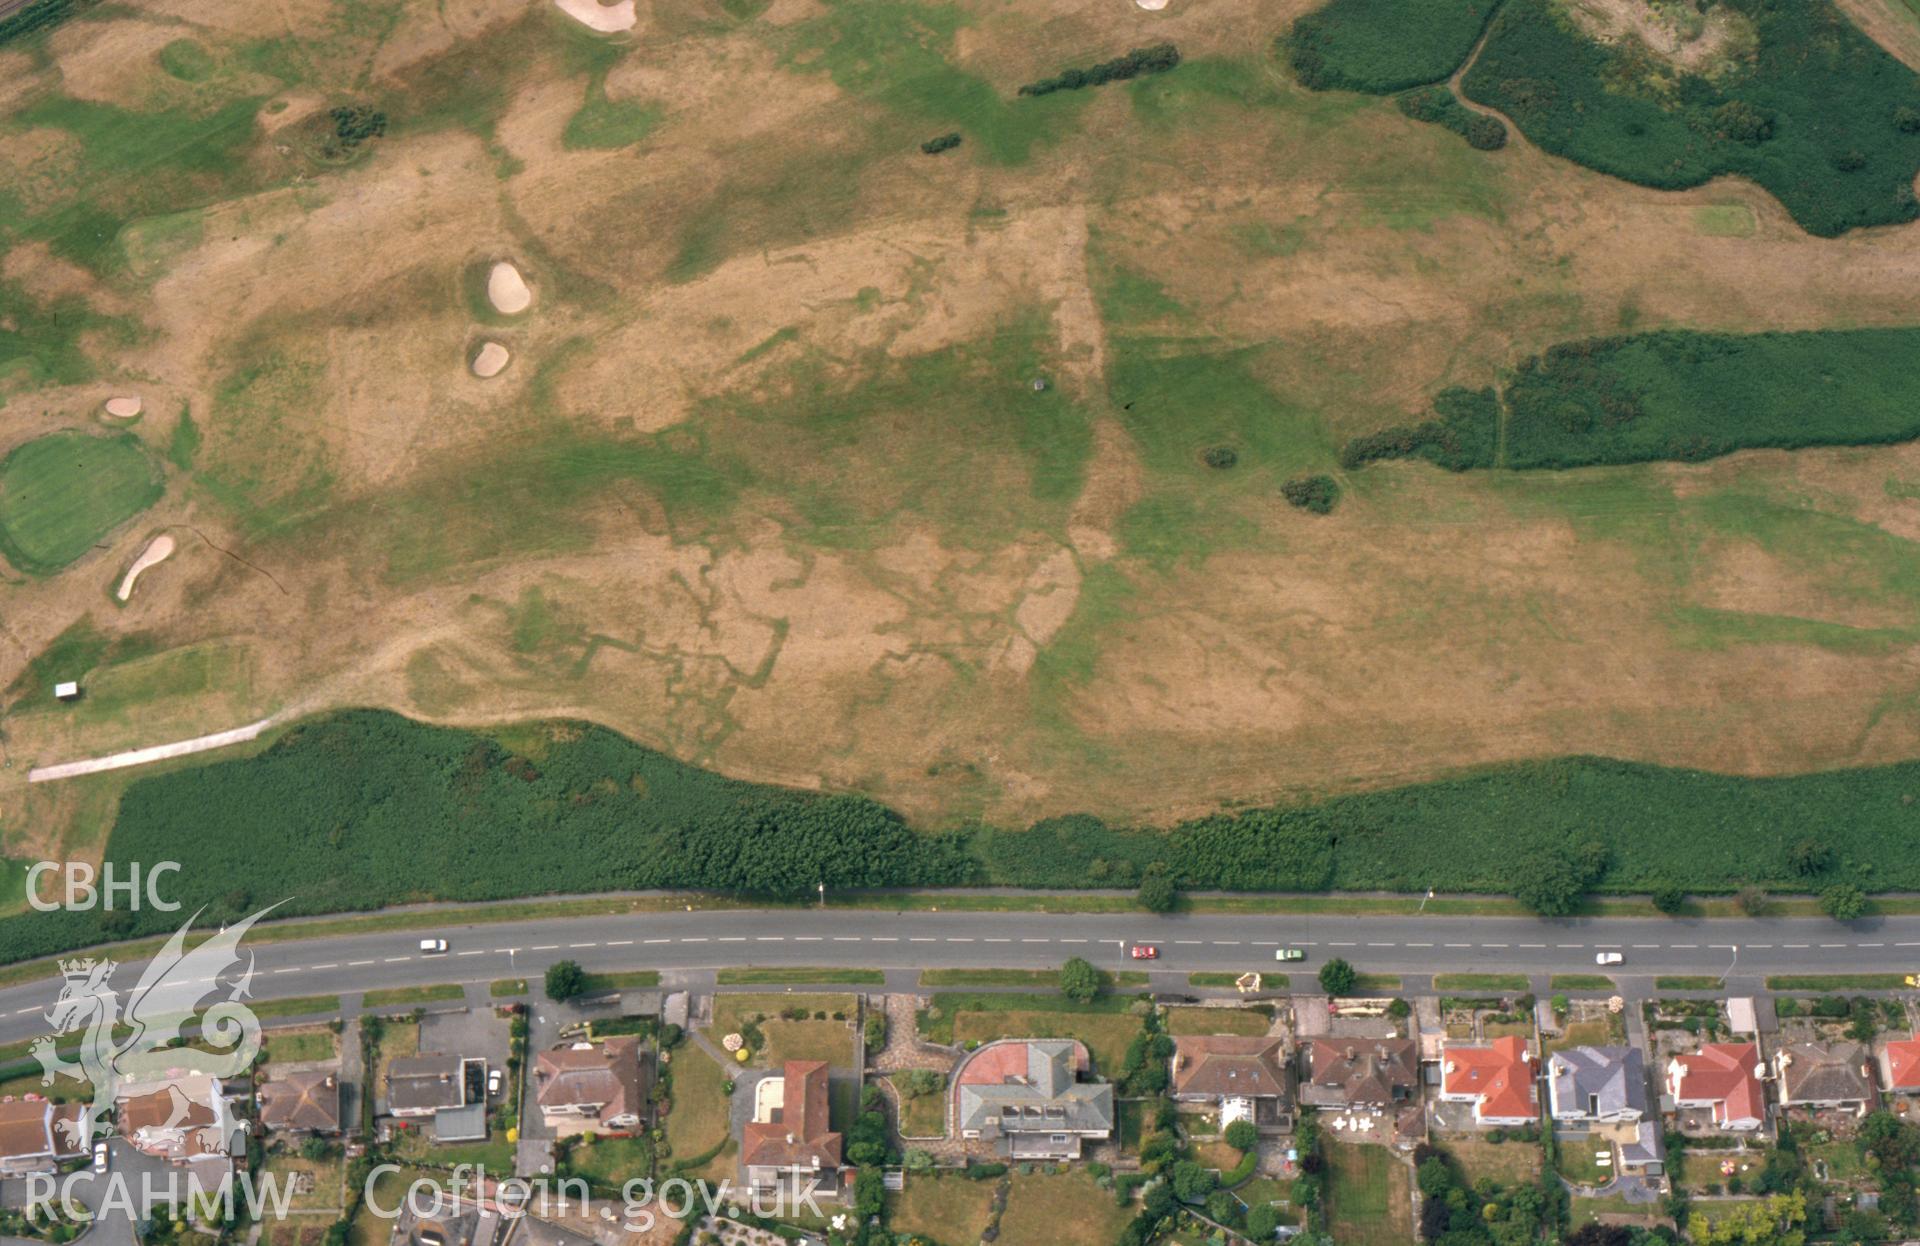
(800,976)
(1813,119)
(1582,982)
(1836,982)
(1686,982)
(1480,982)
(61,493)
(396,997)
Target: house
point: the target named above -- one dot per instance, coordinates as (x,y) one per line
(419,1086)
(1644,1153)
(447,1221)
(1826,1075)
(303,1102)
(1597,1085)
(1246,1077)
(1026,1097)
(1900,1066)
(1371,1074)
(1722,1077)
(588,1087)
(1497,1079)
(37,1134)
(790,1142)
(188,1121)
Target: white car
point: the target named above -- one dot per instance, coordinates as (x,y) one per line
(1609,958)
(100,1155)
(433,947)
(494,1081)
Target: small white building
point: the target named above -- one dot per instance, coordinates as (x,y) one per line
(68,691)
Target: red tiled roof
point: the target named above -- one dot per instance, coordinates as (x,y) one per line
(1723,1073)
(799,1134)
(1500,1076)
(35,1127)
(1903,1064)
(995,1066)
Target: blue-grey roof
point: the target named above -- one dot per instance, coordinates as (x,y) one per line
(1047,1099)
(1614,1079)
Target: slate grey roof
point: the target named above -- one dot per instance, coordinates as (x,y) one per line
(1646,1147)
(1046,1100)
(1598,1081)
(425,1082)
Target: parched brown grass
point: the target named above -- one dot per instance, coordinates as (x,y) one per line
(1061,1209)
(769,454)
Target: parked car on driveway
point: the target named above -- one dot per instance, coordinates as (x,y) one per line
(100,1155)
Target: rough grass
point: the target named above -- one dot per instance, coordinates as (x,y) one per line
(942,1209)
(1217,1021)
(296,1045)
(698,1122)
(60,494)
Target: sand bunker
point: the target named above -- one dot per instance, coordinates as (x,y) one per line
(158,550)
(507,290)
(608,19)
(491,360)
(1151,6)
(123,408)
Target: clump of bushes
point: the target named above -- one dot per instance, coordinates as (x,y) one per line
(1465,434)
(354,124)
(1318,494)
(1154,60)
(1220,458)
(1383,46)
(946,142)
(1437,104)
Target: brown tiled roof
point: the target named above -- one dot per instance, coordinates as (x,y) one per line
(1362,1070)
(1826,1073)
(798,1135)
(606,1073)
(165,1108)
(305,1100)
(31,1127)
(1229,1066)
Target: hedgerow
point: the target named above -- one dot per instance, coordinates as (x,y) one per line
(1438,106)
(1383,46)
(1687,396)
(364,809)
(1820,117)
(1154,60)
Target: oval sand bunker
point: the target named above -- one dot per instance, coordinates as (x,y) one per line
(1151,6)
(608,19)
(158,550)
(507,290)
(123,408)
(491,361)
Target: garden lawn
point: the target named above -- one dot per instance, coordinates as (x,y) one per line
(698,1124)
(1061,1210)
(1370,1197)
(1106,1032)
(301,1044)
(608,1163)
(1509,1163)
(1217,1021)
(829,1040)
(942,1209)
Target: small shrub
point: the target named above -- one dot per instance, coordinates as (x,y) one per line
(946,142)
(1154,60)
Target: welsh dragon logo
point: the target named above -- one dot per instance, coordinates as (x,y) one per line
(126,1047)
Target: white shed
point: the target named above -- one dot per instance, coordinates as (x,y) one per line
(68,691)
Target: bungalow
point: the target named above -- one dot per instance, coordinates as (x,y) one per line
(1722,1077)
(1497,1079)
(789,1142)
(1597,1085)
(1026,1097)
(1900,1066)
(302,1102)
(37,1134)
(1368,1074)
(1822,1075)
(1246,1078)
(590,1087)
